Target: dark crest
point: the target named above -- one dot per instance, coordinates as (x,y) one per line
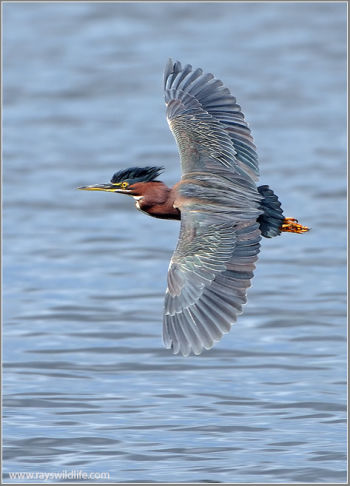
(137,174)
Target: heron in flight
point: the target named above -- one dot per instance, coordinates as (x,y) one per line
(222,211)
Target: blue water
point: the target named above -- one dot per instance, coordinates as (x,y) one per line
(87,383)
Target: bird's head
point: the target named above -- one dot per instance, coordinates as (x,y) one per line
(130,181)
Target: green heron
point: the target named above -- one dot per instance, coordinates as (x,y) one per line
(223,213)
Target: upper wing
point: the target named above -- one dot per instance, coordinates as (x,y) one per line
(221,138)
(213,263)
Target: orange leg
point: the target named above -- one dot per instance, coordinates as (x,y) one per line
(291,225)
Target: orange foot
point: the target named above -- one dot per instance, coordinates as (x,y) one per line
(291,225)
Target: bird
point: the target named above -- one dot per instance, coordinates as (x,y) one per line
(223,213)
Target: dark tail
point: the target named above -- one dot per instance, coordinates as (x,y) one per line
(272,221)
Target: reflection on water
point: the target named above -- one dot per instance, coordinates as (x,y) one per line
(87,383)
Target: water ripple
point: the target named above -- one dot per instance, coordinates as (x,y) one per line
(87,383)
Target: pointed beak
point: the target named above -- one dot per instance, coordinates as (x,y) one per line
(104,187)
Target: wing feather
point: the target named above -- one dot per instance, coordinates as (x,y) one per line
(212,266)
(214,99)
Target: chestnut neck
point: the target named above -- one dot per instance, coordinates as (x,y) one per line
(156,199)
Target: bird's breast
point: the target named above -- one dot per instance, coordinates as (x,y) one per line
(161,210)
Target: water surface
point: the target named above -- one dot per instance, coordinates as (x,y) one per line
(87,383)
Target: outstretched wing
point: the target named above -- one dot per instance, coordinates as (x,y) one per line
(194,96)
(208,277)
(213,263)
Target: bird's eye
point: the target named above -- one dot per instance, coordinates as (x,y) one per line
(125,185)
